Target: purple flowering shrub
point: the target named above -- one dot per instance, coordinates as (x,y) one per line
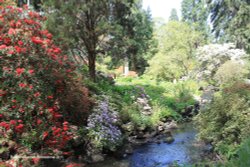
(103,132)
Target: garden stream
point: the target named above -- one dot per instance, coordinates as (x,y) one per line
(184,150)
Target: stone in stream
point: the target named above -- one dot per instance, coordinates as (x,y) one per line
(170,125)
(169,140)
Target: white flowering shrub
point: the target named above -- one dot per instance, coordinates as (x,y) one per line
(213,56)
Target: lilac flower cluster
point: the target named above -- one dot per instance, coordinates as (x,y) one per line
(102,128)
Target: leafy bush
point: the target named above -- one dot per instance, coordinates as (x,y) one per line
(242,156)
(35,77)
(161,114)
(225,123)
(230,72)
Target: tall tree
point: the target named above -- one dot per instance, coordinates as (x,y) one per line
(173,16)
(84,24)
(232,18)
(195,13)
(134,38)
(176,58)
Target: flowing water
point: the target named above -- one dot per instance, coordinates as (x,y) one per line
(184,150)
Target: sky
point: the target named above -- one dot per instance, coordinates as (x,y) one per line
(162,8)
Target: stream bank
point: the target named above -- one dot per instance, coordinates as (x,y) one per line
(184,150)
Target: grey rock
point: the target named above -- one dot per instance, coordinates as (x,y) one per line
(128,127)
(97,158)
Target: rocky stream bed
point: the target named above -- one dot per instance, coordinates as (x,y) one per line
(158,153)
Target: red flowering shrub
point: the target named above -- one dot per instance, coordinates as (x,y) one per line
(34,74)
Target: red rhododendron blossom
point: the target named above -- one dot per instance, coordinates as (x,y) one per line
(20,43)
(18,49)
(37,94)
(50,97)
(37,40)
(13,122)
(22,85)
(49,36)
(19,71)
(11,52)
(51,110)
(45,134)
(12,23)
(19,128)
(5,125)
(3,47)
(18,24)
(39,121)
(7,41)
(11,31)
(31,72)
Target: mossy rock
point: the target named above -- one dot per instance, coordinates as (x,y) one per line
(169,140)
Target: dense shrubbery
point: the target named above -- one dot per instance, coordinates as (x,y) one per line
(225,123)
(230,72)
(242,157)
(35,81)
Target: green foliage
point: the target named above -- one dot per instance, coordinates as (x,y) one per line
(231,21)
(133,36)
(84,26)
(195,13)
(177,44)
(173,15)
(242,156)
(167,99)
(132,113)
(230,72)
(225,122)
(161,113)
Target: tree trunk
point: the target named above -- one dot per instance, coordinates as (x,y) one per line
(91,59)
(134,60)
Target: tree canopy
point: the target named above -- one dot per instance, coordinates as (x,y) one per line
(177,43)
(195,13)
(174,15)
(231,21)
